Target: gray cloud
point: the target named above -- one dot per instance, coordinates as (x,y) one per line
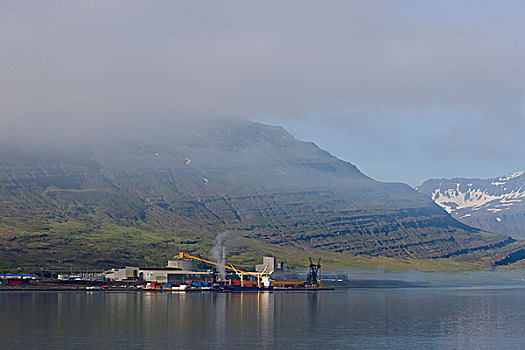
(74,68)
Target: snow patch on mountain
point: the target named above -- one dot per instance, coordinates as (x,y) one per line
(512,176)
(495,204)
(456,196)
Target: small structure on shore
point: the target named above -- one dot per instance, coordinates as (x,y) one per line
(17,278)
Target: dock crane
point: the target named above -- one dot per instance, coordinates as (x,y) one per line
(311,279)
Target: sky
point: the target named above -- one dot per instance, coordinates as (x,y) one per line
(405,90)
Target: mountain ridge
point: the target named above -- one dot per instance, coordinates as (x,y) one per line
(274,191)
(492,204)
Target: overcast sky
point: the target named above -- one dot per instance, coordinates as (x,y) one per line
(406,90)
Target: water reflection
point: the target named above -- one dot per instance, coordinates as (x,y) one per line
(361,319)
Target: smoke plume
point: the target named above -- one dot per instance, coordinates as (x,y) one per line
(223,241)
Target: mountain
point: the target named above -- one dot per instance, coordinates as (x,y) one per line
(136,199)
(495,205)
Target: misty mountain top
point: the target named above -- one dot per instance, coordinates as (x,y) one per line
(196,132)
(234,152)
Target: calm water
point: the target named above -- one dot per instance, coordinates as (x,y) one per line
(414,318)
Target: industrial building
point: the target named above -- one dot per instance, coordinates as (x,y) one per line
(176,271)
(184,268)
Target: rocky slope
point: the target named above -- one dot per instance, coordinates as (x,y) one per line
(496,205)
(90,204)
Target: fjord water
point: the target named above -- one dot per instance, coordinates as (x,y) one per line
(409,318)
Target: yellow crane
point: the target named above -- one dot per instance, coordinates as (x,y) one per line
(262,277)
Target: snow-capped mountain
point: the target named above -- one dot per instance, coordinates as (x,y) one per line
(496,205)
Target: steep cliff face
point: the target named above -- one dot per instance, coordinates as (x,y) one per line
(495,205)
(253,178)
